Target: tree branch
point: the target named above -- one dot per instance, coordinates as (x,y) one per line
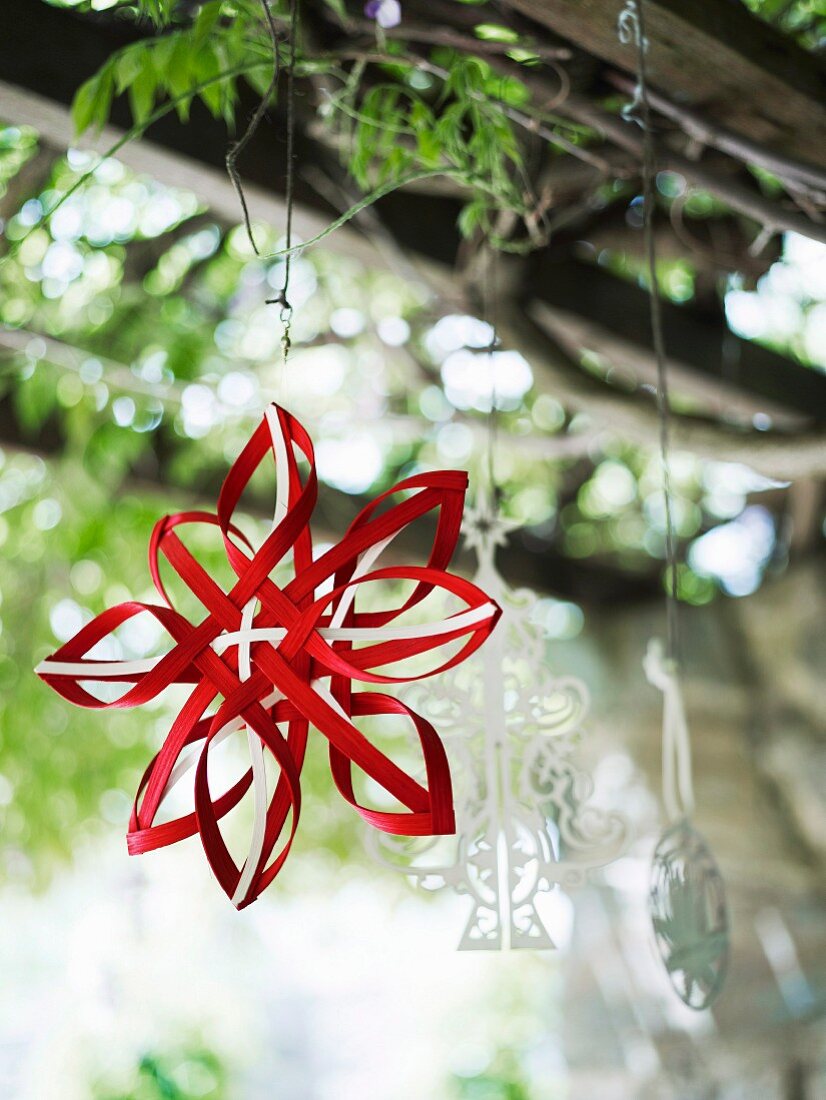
(447,36)
(712,55)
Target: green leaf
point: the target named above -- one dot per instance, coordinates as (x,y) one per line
(395,165)
(207,67)
(337,7)
(495,32)
(129,64)
(160,11)
(35,399)
(229,99)
(205,23)
(470,217)
(161,55)
(508,89)
(93,100)
(179,68)
(83,104)
(523,56)
(142,94)
(430,151)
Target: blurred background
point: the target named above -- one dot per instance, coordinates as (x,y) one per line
(135,356)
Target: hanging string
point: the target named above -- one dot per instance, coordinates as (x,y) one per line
(660,666)
(237,147)
(283,295)
(686,899)
(632,29)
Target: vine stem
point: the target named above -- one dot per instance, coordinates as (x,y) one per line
(373,197)
(283,297)
(237,147)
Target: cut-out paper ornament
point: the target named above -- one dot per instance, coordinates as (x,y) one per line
(279,659)
(687,896)
(525,823)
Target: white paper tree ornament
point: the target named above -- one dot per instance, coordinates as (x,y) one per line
(524,823)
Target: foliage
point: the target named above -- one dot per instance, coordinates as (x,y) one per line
(179,1075)
(16,147)
(804,20)
(400,115)
(203,59)
(461,128)
(396,118)
(503,1079)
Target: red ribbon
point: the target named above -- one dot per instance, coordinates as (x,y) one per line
(303,673)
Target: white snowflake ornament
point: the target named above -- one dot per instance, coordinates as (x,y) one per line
(524,823)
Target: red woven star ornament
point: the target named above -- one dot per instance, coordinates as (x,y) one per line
(272,661)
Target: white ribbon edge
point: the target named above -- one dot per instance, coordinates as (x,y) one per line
(259,766)
(98,670)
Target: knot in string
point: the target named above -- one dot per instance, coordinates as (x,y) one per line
(678,792)
(285,316)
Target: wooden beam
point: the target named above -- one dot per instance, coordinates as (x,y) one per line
(743,198)
(589,307)
(712,54)
(209,183)
(534,446)
(528,559)
(633,416)
(799,176)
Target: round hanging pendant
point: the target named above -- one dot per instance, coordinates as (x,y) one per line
(688,912)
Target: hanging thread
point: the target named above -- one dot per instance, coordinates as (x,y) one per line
(632,29)
(687,894)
